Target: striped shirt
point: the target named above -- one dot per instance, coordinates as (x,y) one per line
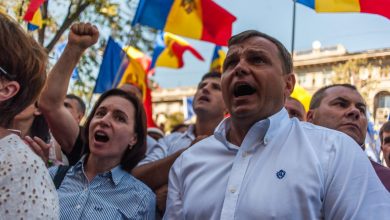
(111,195)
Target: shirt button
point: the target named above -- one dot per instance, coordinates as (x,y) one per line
(232,190)
(78,206)
(265,141)
(244,154)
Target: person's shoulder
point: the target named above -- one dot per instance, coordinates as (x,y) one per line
(379,168)
(135,185)
(203,147)
(17,152)
(173,136)
(324,139)
(319,131)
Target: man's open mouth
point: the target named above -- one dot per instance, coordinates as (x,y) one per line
(243,89)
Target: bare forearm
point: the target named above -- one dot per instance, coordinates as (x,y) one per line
(155,174)
(57,84)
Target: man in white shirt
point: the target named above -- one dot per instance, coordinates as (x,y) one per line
(259,164)
(210,110)
(341,107)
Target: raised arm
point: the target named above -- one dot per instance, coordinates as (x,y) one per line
(63,126)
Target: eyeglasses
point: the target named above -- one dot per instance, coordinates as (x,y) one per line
(7,75)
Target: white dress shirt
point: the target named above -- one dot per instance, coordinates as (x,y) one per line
(284,169)
(169,145)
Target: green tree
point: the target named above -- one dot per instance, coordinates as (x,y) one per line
(173,120)
(113,17)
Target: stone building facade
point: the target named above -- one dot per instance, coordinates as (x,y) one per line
(313,68)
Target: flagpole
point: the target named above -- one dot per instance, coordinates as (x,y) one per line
(293,30)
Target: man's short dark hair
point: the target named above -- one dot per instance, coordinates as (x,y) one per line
(211,75)
(320,94)
(284,55)
(81,105)
(385,128)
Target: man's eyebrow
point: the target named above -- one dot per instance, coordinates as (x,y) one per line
(361,104)
(339,98)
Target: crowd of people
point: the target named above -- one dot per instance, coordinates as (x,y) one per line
(252,153)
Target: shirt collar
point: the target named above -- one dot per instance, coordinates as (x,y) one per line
(79,166)
(277,121)
(190,132)
(264,130)
(115,174)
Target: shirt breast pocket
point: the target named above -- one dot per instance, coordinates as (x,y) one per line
(101,212)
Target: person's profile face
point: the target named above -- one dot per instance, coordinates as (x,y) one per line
(342,109)
(73,107)
(208,98)
(386,147)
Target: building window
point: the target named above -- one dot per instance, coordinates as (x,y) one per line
(384,101)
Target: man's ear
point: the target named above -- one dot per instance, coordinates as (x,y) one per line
(290,83)
(8,89)
(310,116)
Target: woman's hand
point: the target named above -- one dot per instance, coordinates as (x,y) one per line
(41,148)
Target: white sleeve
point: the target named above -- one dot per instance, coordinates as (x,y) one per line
(174,206)
(352,188)
(157,152)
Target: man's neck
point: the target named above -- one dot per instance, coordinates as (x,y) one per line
(206,126)
(238,130)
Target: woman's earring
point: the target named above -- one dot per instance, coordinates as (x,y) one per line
(131,146)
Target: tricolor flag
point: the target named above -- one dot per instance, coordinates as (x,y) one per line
(380,7)
(33,15)
(169,50)
(198,19)
(128,65)
(372,142)
(217,60)
(32,8)
(36,22)
(188,110)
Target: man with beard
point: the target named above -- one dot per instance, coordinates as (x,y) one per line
(259,164)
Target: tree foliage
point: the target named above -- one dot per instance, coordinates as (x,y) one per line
(173,119)
(113,17)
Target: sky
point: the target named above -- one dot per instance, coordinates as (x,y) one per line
(355,31)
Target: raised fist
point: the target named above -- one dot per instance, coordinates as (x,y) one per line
(83,35)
